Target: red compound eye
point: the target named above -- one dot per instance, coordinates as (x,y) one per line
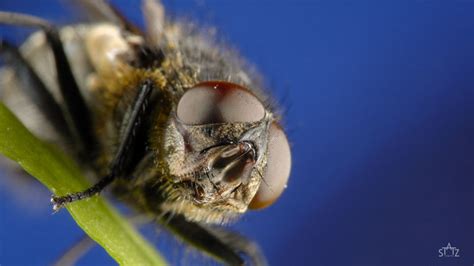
(277,170)
(219,102)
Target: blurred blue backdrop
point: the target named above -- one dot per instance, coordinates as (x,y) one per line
(380,112)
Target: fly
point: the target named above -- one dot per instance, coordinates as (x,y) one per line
(177,125)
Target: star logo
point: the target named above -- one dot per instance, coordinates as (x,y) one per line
(448,251)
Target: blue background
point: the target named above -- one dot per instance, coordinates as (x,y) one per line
(380,112)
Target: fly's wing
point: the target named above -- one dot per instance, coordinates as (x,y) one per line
(37,53)
(39,56)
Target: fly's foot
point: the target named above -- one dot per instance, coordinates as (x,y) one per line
(59,202)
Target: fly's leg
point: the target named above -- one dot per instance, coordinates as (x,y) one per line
(153,10)
(154,13)
(240,243)
(222,244)
(132,125)
(77,251)
(77,112)
(201,238)
(35,89)
(103,10)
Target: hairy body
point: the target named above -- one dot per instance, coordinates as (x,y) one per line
(178,121)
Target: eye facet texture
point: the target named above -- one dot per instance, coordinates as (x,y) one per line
(219,102)
(277,170)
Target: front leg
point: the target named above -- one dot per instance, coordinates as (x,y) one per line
(133,124)
(226,246)
(240,243)
(201,238)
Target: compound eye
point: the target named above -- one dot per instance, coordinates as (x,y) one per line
(239,105)
(197,106)
(277,170)
(219,102)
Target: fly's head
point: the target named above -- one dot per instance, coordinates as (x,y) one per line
(226,153)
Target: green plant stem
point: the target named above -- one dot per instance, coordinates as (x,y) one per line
(61,176)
